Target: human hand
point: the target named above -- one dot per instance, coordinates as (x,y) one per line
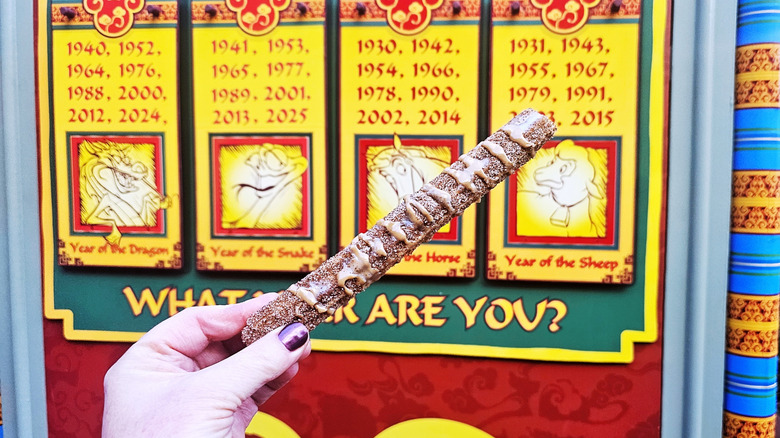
(189,375)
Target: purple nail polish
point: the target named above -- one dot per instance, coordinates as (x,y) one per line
(456,8)
(615,6)
(210,10)
(514,8)
(302,8)
(294,336)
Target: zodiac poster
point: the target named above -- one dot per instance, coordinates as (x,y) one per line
(569,214)
(408,99)
(271,180)
(260,154)
(110,140)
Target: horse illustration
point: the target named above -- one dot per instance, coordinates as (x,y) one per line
(401,168)
(117,188)
(575,181)
(266,190)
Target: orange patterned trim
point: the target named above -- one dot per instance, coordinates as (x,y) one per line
(749,427)
(348,11)
(503,9)
(315,11)
(757,90)
(169,14)
(754,308)
(755,204)
(753,339)
(755,184)
(758,57)
(746,217)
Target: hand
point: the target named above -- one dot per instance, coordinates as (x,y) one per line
(188,376)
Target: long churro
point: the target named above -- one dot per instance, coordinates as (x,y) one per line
(369,256)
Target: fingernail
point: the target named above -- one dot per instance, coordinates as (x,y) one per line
(294,336)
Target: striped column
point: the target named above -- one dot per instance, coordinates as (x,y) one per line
(754,262)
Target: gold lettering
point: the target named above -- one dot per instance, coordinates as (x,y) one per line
(232,295)
(347,312)
(174,303)
(522,318)
(147,299)
(560,311)
(381,309)
(490,314)
(468,312)
(431,307)
(407,309)
(206,298)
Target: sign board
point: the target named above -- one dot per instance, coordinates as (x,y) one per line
(267,181)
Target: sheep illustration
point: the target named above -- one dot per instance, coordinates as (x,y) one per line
(572,182)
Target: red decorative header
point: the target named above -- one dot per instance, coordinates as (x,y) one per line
(527,10)
(113,18)
(408,17)
(373,11)
(257,17)
(565,16)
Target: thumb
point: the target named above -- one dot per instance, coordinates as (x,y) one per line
(245,372)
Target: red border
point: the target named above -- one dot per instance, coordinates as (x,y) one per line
(305,144)
(611,235)
(365,143)
(75,141)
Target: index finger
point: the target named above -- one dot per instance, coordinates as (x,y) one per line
(192,330)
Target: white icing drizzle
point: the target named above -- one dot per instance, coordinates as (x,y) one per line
(497,151)
(375,243)
(395,230)
(411,204)
(477,167)
(308,295)
(515,132)
(362,258)
(411,213)
(463,177)
(440,196)
(320,308)
(359,268)
(343,276)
